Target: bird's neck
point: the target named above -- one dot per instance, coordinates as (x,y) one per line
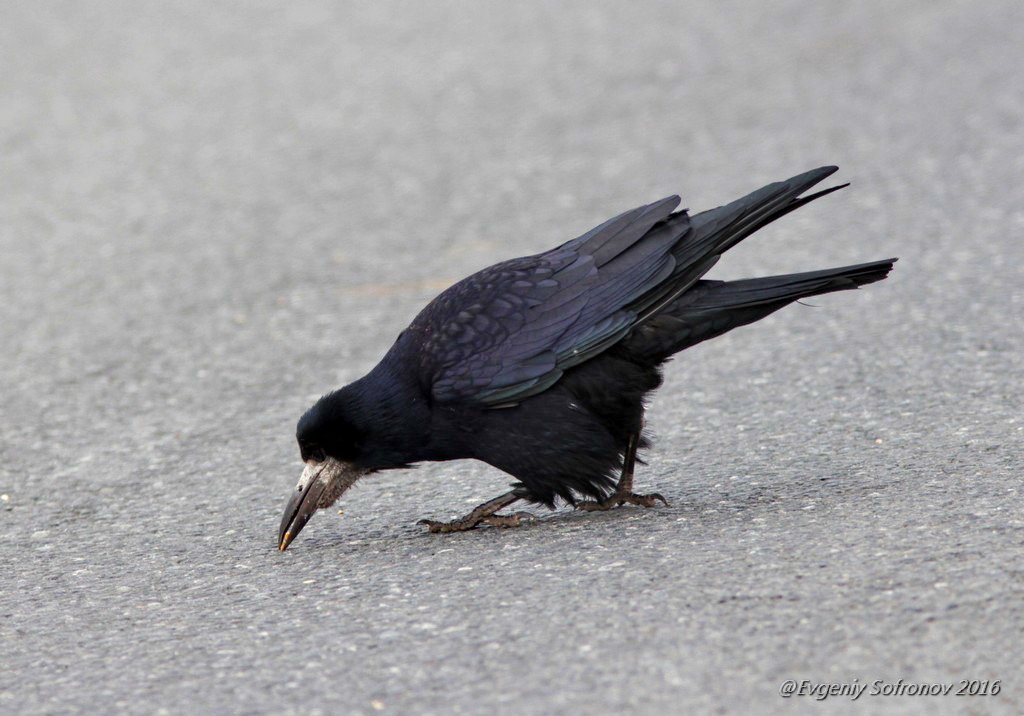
(392,414)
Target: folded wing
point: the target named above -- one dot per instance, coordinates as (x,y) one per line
(511,330)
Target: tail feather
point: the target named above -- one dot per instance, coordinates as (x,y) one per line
(711,308)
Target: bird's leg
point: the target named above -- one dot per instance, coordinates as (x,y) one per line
(484,514)
(624,490)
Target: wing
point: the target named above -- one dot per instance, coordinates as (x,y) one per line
(509,331)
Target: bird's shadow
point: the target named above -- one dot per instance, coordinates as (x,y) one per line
(689,506)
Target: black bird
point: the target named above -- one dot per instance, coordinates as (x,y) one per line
(540,365)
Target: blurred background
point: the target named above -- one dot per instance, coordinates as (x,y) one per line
(211,213)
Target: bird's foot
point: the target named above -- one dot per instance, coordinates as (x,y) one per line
(621,498)
(472,520)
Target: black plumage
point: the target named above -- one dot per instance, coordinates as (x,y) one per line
(540,365)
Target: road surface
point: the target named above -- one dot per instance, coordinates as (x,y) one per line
(210,214)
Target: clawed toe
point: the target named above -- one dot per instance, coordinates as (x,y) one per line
(514,520)
(646,500)
(617,499)
(434,525)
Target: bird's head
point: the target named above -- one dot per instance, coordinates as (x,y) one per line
(331,447)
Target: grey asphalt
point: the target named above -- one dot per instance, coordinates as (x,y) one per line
(211,213)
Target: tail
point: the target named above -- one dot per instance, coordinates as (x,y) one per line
(715,231)
(711,308)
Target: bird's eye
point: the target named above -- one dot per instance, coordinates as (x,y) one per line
(310,451)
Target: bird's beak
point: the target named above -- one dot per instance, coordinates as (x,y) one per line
(321,484)
(302,504)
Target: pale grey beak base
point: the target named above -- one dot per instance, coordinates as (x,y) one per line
(302,503)
(321,484)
